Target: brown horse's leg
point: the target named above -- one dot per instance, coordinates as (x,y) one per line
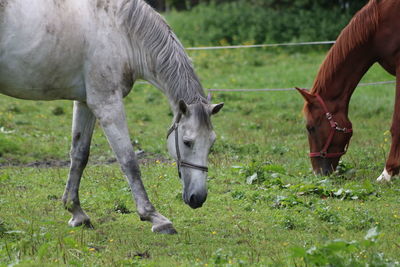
(393,162)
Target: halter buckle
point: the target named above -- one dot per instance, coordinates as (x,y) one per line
(323,154)
(328,115)
(341,129)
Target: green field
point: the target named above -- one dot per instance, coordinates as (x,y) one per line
(284,216)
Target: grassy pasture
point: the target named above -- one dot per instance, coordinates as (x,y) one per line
(265,207)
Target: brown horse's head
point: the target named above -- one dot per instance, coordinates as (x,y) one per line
(329,132)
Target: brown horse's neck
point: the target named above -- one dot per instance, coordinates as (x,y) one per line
(349,59)
(338,85)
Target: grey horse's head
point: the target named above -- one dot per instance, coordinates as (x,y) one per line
(189,142)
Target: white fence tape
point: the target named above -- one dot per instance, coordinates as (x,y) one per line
(260,45)
(288,89)
(267,45)
(277,89)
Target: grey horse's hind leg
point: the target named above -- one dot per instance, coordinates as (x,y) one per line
(111,115)
(82,130)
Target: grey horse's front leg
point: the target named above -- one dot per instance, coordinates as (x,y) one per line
(111,115)
(82,130)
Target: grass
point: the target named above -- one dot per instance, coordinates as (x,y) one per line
(265,206)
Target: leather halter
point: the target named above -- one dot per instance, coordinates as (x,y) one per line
(179,162)
(334,128)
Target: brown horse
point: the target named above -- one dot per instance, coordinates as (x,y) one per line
(371,36)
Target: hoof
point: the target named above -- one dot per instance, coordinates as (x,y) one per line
(164,229)
(88,224)
(75,223)
(384,177)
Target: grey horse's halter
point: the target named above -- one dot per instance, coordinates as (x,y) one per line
(179,162)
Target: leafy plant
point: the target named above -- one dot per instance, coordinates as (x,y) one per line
(359,219)
(57,111)
(326,214)
(343,253)
(258,172)
(238,195)
(2,228)
(288,202)
(289,223)
(120,207)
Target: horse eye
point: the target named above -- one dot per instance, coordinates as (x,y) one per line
(188,143)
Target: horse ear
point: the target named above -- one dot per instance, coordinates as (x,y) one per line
(215,108)
(306,94)
(183,107)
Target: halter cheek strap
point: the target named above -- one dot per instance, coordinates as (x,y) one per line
(334,128)
(179,162)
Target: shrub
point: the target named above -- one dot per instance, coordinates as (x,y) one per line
(241,22)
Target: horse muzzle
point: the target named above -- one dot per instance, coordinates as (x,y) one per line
(324,166)
(195,199)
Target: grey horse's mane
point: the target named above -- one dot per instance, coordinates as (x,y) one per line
(173,66)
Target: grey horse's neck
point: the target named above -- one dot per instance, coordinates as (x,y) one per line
(158,55)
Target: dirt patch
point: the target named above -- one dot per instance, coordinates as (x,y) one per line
(145,158)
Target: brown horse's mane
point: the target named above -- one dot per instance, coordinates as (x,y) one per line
(357,32)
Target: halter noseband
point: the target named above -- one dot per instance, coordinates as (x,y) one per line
(334,128)
(179,162)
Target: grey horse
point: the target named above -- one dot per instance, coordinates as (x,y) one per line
(92,52)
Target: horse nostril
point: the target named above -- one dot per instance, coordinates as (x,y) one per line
(196,201)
